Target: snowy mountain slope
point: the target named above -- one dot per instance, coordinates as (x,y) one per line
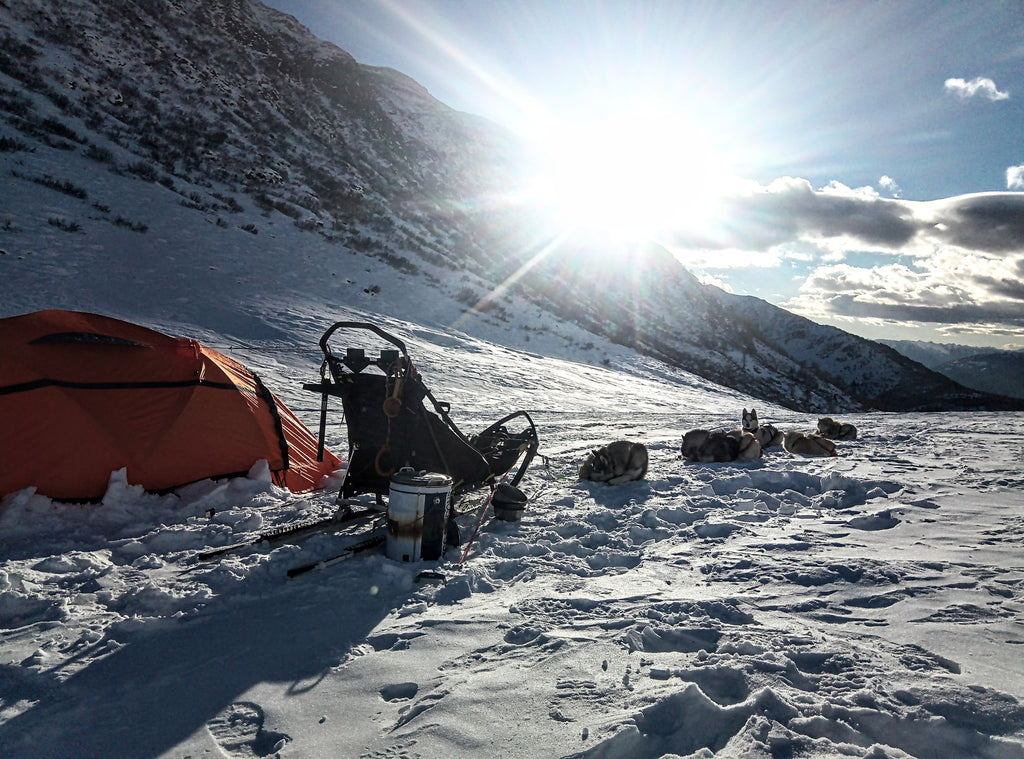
(673,317)
(990,371)
(117,116)
(875,374)
(930,354)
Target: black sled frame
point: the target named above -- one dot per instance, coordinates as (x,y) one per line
(389,427)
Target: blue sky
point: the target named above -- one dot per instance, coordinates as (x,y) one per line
(861,163)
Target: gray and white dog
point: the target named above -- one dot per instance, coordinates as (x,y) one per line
(830,428)
(767,435)
(615,463)
(707,447)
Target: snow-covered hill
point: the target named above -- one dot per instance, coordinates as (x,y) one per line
(217,149)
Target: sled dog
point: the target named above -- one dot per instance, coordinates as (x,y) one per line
(767,434)
(809,444)
(830,428)
(705,446)
(702,445)
(615,463)
(750,447)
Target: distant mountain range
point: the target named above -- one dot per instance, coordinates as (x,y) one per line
(236,109)
(985,369)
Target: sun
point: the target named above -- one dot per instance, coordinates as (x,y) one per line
(628,176)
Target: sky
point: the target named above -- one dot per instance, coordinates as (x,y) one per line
(861,163)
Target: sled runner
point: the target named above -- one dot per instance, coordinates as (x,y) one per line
(389,426)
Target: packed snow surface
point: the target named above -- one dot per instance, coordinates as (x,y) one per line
(866,605)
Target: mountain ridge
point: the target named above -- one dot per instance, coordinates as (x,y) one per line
(986,369)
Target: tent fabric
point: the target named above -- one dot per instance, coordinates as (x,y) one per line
(83,395)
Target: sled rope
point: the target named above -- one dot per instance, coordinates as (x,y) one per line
(547,460)
(487,502)
(385,450)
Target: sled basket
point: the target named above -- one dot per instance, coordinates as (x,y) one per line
(390,427)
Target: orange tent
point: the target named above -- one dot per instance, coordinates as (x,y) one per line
(83,395)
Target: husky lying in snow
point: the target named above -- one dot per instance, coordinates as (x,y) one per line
(749,447)
(615,463)
(830,428)
(705,446)
(767,435)
(808,444)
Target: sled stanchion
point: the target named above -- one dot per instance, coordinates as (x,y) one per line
(396,421)
(323,428)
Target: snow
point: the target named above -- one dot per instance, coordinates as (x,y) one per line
(866,605)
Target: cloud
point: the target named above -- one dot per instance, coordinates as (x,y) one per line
(977,87)
(973,292)
(956,261)
(989,222)
(1015,178)
(790,210)
(708,279)
(888,184)
(970,314)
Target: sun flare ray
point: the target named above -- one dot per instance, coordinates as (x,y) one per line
(511,279)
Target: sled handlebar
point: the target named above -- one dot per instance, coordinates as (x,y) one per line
(361,325)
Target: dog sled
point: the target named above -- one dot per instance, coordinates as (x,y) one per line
(389,426)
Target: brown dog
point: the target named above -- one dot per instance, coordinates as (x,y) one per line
(808,445)
(830,428)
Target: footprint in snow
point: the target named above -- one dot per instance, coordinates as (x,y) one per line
(238,730)
(399,691)
(883,520)
(425,704)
